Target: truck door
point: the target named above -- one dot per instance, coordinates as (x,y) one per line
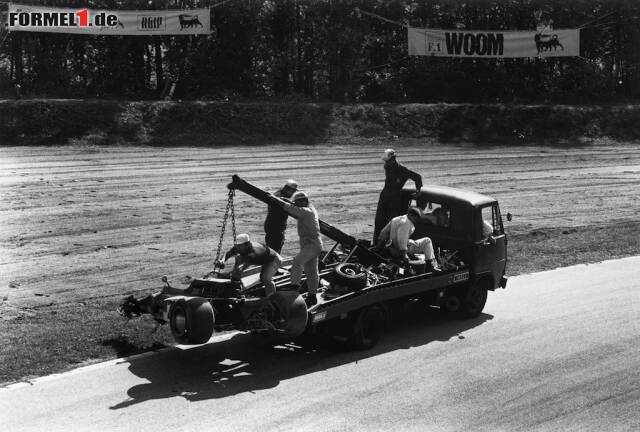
(491,248)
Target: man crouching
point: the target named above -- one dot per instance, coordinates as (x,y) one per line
(252,253)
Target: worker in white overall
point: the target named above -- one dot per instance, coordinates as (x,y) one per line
(310,243)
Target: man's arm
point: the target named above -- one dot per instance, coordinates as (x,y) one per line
(290,208)
(231,252)
(238,267)
(384,235)
(487,232)
(417,178)
(402,236)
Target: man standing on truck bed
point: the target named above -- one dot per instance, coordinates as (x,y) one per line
(390,202)
(395,235)
(310,243)
(275,223)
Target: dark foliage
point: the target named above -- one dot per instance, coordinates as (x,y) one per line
(327,50)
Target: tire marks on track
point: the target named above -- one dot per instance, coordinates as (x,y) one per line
(85,222)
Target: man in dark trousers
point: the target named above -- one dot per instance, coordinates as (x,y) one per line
(390,202)
(276,222)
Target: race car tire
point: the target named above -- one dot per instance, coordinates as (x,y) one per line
(292,309)
(192,321)
(351,275)
(297,316)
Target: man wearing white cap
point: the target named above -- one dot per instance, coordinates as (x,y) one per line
(251,253)
(276,222)
(310,242)
(390,202)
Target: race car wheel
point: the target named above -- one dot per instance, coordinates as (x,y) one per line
(289,319)
(295,308)
(350,275)
(368,327)
(192,321)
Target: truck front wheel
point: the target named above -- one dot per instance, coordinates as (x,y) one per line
(191,321)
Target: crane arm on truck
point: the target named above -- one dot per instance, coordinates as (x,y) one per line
(358,247)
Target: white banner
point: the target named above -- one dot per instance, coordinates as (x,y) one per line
(494,43)
(108,22)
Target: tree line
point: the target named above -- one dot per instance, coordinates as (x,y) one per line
(331,50)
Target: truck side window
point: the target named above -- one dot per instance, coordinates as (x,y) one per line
(490,224)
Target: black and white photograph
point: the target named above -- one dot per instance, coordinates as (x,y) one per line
(320,215)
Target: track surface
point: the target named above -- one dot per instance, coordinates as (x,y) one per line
(87,222)
(556,351)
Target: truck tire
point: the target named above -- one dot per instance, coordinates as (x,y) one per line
(474,299)
(192,321)
(451,305)
(368,328)
(351,275)
(466,301)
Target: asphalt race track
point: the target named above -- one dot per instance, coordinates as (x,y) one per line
(555,351)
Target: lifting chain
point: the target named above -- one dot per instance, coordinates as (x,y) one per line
(229,211)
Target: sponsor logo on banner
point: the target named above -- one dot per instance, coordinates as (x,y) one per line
(434,45)
(189,21)
(546,42)
(151,23)
(545,38)
(61,19)
(474,43)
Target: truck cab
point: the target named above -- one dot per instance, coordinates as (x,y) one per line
(466,223)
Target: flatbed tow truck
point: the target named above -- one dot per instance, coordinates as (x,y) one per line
(359,284)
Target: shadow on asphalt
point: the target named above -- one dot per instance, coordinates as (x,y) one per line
(239,364)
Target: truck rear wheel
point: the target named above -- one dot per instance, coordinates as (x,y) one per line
(368,328)
(466,302)
(474,300)
(192,321)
